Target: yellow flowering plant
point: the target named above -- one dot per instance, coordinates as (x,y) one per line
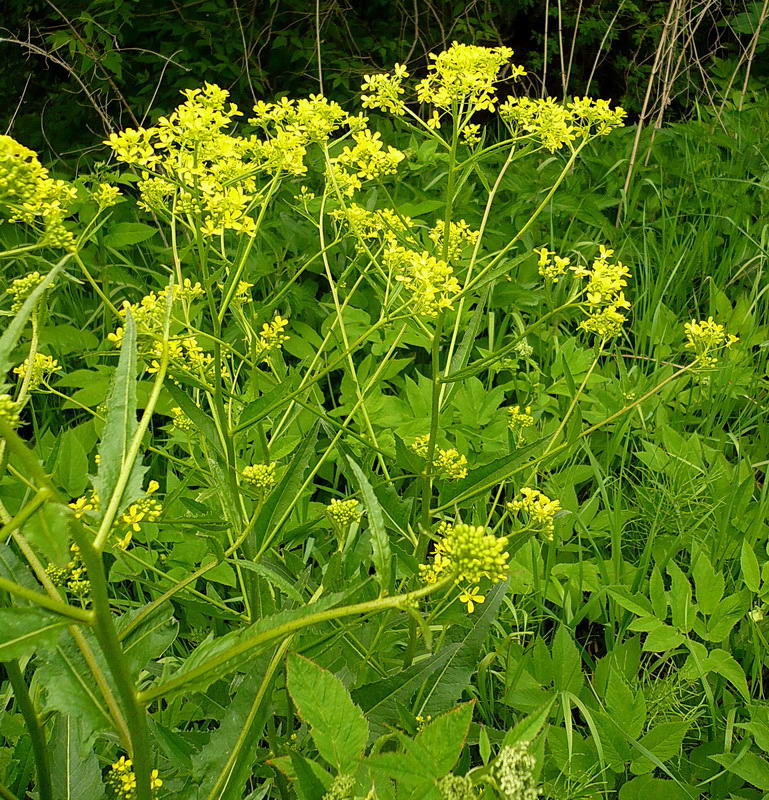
(319,368)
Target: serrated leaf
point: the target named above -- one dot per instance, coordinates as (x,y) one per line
(748,766)
(567,663)
(338,727)
(664,741)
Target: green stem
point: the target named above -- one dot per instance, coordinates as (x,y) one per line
(106,634)
(286,629)
(42,600)
(34,729)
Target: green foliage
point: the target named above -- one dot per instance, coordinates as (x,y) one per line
(267,427)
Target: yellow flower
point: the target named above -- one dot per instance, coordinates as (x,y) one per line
(707,338)
(471,597)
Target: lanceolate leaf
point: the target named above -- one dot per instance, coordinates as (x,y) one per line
(120,425)
(74,762)
(380,544)
(454,676)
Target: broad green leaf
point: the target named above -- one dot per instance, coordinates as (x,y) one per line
(380,543)
(567,663)
(338,726)
(636,603)
(664,741)
(708,583)
(149,640)
(728,667)
(645,787)
(680,599)
(120,426)
(440,743)
(662,638)
(125,233)
(750,767)
(23,630)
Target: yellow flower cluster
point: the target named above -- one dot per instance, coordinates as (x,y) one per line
(190,165)
(106,195)
(9,411)
(551,266)
(73,577)
(343,513)
(430,281)
(384,222)
(149,313)
(468,554)
(519,421)
(184,355)
(21,288)
(121,780)
(146,509)
(465,75)
(604,294)
(539,509)
(42,367)
(366,160)
(311,119)
(448,464)
(32,196)
(85,505)
(385,90)
(271,337)
(181,421)
(706,338)
(555,125)
(260,476)
(460,235)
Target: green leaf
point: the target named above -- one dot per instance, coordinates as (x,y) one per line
(661,639)
(74,763)
(24,630)
(69,686)
(645,787)
(727,666)
(567,663)
(120,425)
(663,741)
(149,640)
(382,699)
(338,726)
(124,233)
(13,332)
(527,729)
(380,543)
(439,745)
(748,766)
(454,676)
(708,584)
(751,571)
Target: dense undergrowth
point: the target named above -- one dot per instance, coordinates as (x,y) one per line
(422,463)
